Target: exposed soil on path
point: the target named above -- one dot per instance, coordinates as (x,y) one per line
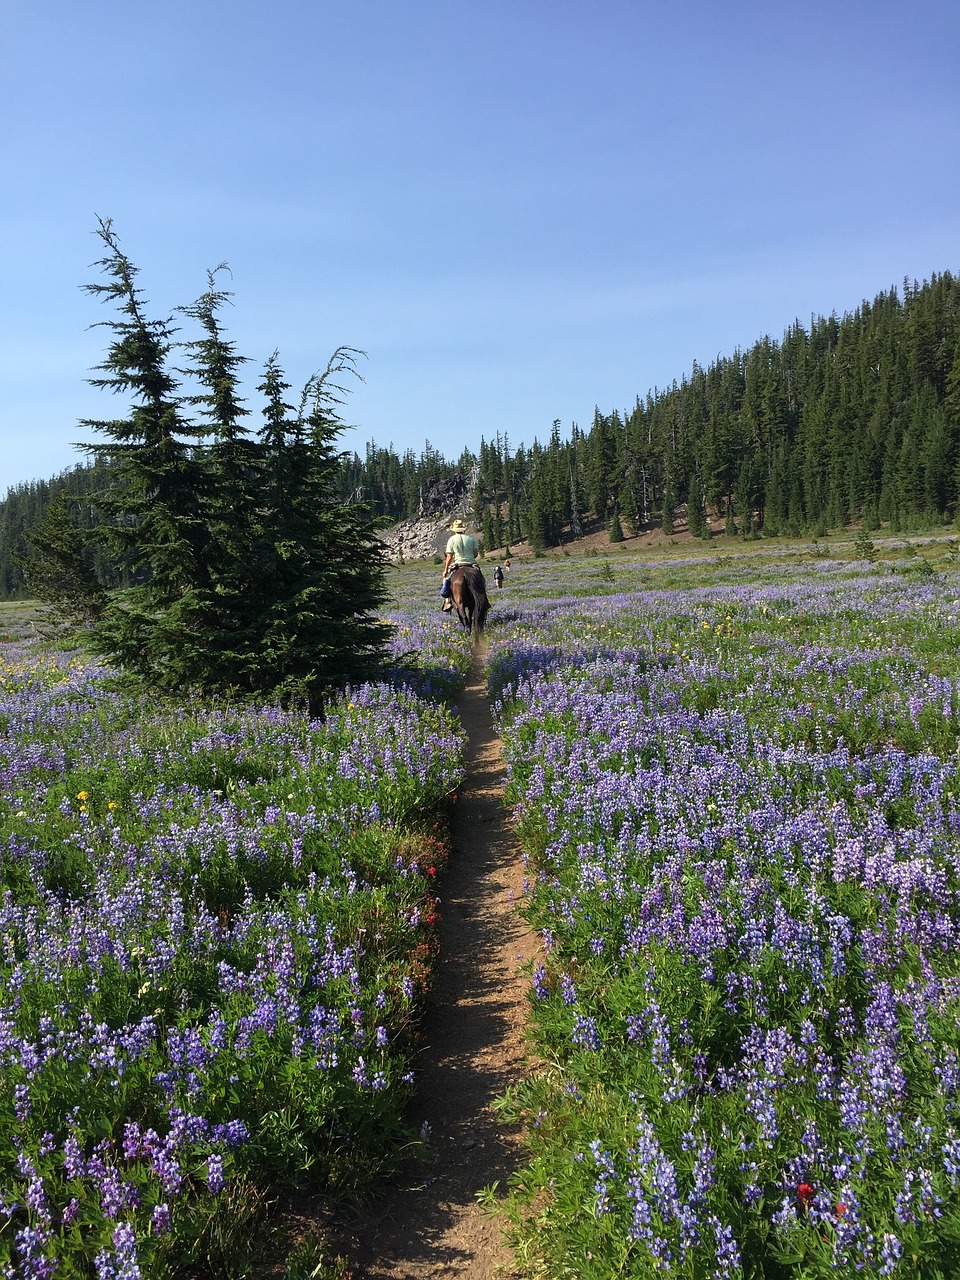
(428,1224)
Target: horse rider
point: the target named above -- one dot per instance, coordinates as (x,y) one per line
(461,550)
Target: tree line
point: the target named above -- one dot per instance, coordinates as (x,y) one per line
(852,419)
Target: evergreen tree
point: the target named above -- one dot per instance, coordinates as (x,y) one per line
(497,527)
(776,502)
(937,454)
(696,517)
(57,567)
(601,465)
(951,406)
(321,628)
(487,526)
(746,497)
(220,614)
(261,578)
(151,512)
(667,507)
(575,490)
(730,524)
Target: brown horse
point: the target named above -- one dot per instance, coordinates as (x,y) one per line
(468,590)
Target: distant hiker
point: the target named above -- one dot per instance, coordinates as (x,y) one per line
(461,550)
(498,576)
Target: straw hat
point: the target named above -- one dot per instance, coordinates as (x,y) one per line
(458,526)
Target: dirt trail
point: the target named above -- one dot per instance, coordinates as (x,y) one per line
(428,1225)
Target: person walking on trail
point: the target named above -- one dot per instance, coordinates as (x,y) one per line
(498,576)
(461,550)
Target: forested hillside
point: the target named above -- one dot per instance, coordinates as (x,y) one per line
(853,419)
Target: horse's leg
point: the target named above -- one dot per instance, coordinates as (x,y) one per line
(480,602)
(458,591)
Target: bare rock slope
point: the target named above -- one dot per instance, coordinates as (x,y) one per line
(424,535)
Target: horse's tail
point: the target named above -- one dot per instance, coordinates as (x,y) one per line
(480,604)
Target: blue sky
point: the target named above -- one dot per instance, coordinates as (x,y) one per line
(520,210)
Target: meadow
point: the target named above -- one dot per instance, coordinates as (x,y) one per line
(738,785)
(215,943)
(737,782)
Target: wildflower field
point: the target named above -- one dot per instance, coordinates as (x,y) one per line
(215,938)
(740,798)
(737,783)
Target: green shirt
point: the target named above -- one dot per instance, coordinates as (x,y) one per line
(463,548)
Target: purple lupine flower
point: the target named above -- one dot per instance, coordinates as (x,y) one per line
(606,1174)
(34,1262)
(36,1199)
(131,1140)
(728,1253)
(74,1162)
(215,1178)
(168,1170)
(21,1103)
(160,1220)
(125,1243)
(891,1252)
(585,1033)
(360,1074)
(232,1134)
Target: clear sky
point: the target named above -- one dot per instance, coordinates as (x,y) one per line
(520,209)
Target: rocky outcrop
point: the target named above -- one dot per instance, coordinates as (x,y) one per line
(416,538)
(424,536)
(443,497)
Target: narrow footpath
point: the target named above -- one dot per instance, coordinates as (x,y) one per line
(428,1225)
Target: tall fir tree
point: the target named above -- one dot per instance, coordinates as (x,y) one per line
(150,513)
(221,614)
(260,577)
(324,564)
(696,517)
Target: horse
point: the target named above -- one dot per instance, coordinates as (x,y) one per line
(468,590)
